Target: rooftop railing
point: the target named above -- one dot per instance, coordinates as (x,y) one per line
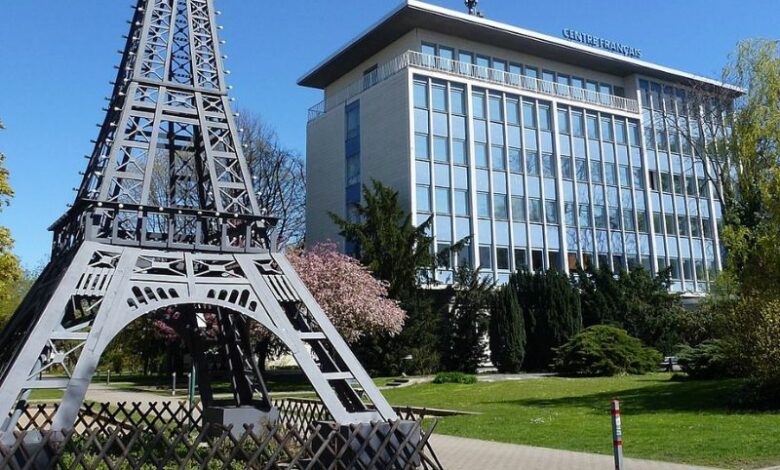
(473,72)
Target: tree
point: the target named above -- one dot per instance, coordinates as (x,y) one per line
(551,312)
(279,176)
(10,270)
(634,300)
(13,297)
(400,254)
(465,322)
(388,243)
(507,331)
(354,301)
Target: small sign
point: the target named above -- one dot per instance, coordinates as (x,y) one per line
(601,43)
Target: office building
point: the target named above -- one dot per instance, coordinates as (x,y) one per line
(548,152)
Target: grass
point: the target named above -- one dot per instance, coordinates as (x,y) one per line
(677,421)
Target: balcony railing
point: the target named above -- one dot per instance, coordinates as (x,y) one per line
(473,72)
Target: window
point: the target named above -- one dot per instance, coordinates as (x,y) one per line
(548,164)
(446,53)
(521,260)
(499,159)
(695,229)
(567,172)
(638,181)
(485,257)
(595,172)
(707,225)
(584,215)
(515,160)
(625,176)
(641,218)
(513,111)
(481,155)
(443,255)
(682,222)
(500,209)
(666,182)
(532,72)
(628,220)
(600,216)
(535,210)
(593,127)
(620,132)
(554,260)
(478,102)
(563,122)
(538,260)
(570,213)
(606,130)
(441,149)
(529,115)
(439,97)
(690,186)
(462,205)
(544,118)
(483,205)
(518,209)
(551,212)
(423,199)
(658,222)
(582,170)
(533,163)
(674,263)
(443,201)
(457,100)
(678,183)
(610,176)
(428,49)
(577,125)
(502,258)
(614,218)
(460,152)
(671,228)
(420,95)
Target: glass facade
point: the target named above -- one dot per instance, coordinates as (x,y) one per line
(554,186)
(352,164)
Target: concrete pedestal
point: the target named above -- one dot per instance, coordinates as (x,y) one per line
(407,433)
(240,416)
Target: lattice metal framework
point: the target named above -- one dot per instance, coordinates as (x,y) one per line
(166,218)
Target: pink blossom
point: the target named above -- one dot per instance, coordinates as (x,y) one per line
(354,301)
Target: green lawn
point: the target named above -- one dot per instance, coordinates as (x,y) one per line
(686,422)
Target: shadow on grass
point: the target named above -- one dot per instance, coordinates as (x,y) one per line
(661,396)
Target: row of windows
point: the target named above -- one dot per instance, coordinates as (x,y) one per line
(503,65)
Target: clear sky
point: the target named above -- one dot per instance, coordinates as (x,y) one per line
(57,57)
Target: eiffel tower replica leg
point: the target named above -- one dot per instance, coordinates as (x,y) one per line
(166,219)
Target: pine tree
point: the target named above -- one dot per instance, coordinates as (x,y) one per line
(551,310)
(465,322)
(397,252)
(507,331)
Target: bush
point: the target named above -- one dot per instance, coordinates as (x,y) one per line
(454,378)
(601,351)
(708,360)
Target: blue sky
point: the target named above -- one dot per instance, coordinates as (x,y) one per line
(56,59)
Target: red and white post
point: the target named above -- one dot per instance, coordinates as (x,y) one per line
(617,435)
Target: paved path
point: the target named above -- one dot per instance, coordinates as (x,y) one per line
(457,453)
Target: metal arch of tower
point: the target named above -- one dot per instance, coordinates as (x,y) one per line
(166,217)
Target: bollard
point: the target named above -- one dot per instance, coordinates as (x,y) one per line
(108,377)
(617,435)
(173,386)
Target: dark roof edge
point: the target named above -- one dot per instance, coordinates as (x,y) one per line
(310,79)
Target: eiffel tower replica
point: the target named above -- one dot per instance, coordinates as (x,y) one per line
(166,220)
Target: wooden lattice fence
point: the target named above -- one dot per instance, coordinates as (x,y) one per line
(169,435)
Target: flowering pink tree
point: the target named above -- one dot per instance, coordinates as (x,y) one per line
(354,301)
